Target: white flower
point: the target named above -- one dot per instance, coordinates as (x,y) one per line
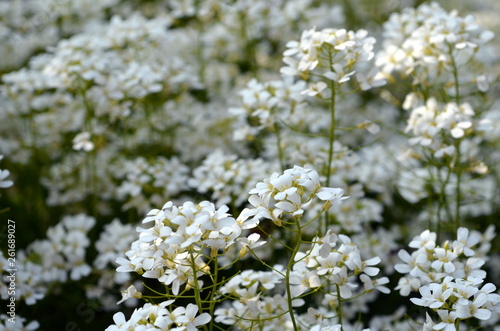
(465,241)
(338,75)
(447,320)
(303,280)
(131,292)
(251,242)
(371,284)
(315,89)
(433,296)
(426,240)
(483,83)
(193,320)
(444,260)
(82,142)
(466,308)
(407,285)
(5,183)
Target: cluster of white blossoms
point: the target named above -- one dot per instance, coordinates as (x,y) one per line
(335,259)
(333,263)
(259,297)
(32,25)
(161,317)
(114,107)
(96,78)
(176,251)
(106,62)
(172,250)
(333,55)
(456,299)
(429,263)
(352,170)
(428,42)
(290,194)
(227,177)
(19,325)
(145,183)
(437,126)
(52,260)
(114,241)
(265,104)
(418,183)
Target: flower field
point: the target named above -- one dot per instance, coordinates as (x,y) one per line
(249,165)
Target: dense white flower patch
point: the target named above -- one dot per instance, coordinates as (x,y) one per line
(295,147)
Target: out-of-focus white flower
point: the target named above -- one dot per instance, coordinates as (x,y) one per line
(483,83)
(83,142)
(315,89)
(5,183)
(3,175)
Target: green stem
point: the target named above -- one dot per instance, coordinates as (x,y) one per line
(442,203)
(331,142)
(201,58)
(93,174)
(455,75)
(196,288)
(291,262)
(212,293)
(331,137)
(280,148)
(458,171)
(249,45)
(457,165)
(339,307)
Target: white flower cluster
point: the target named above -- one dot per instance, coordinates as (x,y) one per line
(261,293)
(259,296)
(290,193)
(431,263)
(418,182)
(334,55)
(106,62)
(49,261)
(160,317)
(150,182)
(265,104)
(71,180)
(107,69)
(228,177)
(459,299)
(174,245)
(427,41)
(338,263)
(352,170)
(29,26)
(114,241)
(19,325)
(438,126)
